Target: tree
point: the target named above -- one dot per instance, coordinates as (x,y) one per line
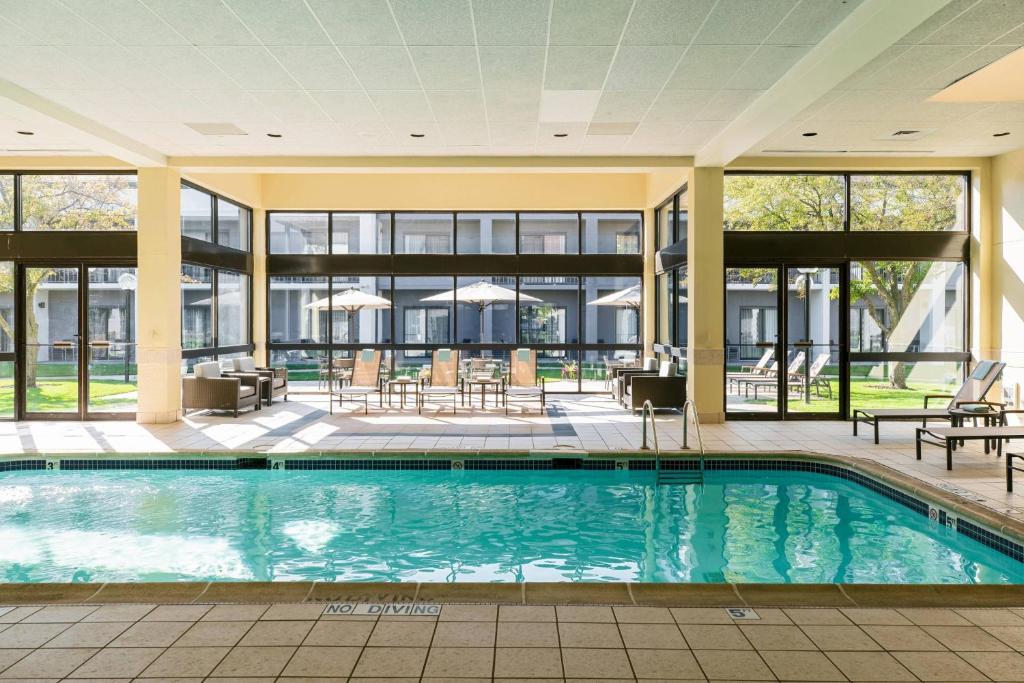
(61,203)
(877,203)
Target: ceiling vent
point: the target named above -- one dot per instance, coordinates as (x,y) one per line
(216,129)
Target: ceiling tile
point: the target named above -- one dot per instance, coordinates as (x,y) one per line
(624,105)
(512,66)
(316,67)
(919,62)
(678,105)
(643,67)
(52,23)
(202,22)
(512,105)
(464,134)
(743,22)
(582,67)
(279,22)
(347,106)
(936,21)
(11,35)
(568,105)
(588,22)
(438,22)
(230,105)
(766,66)
(136,24)
(446,68)
(382,68)
(727,104)
(291,107)
(45,67)
(402,105)
(811,21)
(979,25)
(500,22)
(457,105)
(183,67)
(707,67)
(513,134)
(251,67)
(968,65)
(112,63)
(357,22)
(665,22)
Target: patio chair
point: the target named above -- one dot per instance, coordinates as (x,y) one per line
(444,378)
(761,367)
(524,385)
(816,382)
(365,379)
(770,380)
(667,389)
(621,377)
(207,389)
(969,397)
(278,385)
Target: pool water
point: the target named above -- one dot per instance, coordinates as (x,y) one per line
(472,526)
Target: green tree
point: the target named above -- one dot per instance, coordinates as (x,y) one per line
(877,203)
(62,203)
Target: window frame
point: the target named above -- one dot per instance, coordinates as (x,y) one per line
(214,199)
(17,215)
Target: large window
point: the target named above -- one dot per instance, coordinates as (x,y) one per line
(6,202)
(548,233)
(233,225)
(424,233)
(83,201)
(360,310)
(232,308)
(486,233)
(610,233)
(209,217)
(294,310)
(215,310)
(784,202)
(933,202)
(196,307)
(360,233)
(298,233)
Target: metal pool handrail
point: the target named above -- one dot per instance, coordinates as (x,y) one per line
(645,410)
(690,407)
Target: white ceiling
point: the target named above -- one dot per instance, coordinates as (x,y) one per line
(487,77)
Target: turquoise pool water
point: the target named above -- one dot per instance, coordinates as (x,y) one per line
(472,526)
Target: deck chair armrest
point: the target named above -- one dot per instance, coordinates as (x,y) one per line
(980,403)
(929,396)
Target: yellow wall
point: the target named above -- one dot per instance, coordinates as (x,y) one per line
(1007,265)
(246,188)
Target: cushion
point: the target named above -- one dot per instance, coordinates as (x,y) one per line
(208,370)
(278,382)
(444,355)
(523,391)
(523,355)
(244,391)
(650,363)
(246,364)
(667,369)
(982,369)
(366,356)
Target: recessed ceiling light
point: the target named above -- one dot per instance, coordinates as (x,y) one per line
(561,135)
(25,132)
(273,135)
(1001,135)
(809,134)
(417,135)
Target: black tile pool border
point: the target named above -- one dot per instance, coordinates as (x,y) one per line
(580,462)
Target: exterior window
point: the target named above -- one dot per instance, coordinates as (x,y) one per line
(627,322)
(232,308)
(79,202)
(551,243)
(784,203)
(423,233)
(757,326)
(361,233)
(548,233)
(6,202)
(543,324)
(611,309)
(232,225)
(293,310)
(611,233)
(666,225)
(196,214)
(298,233)
(486,233)
(908,202)
(196,307)
(426,325)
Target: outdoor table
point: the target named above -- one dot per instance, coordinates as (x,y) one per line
(992,418)
(402,384)
(483,383)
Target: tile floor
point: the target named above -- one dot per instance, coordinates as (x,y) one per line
(296,643)
(592,423)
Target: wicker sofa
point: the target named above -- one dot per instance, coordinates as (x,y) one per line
(666,389)
(208,389)
(278,385)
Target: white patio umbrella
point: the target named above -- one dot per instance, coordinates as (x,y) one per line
(483,294)
(351,301)
(624,298)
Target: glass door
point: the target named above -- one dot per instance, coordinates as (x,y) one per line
(752,342)
(110,324)
(813,331)
(51,377)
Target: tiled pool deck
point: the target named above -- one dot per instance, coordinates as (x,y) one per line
(231,643)
(591,423)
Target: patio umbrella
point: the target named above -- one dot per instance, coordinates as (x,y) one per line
(624,298)
(483,294)
(351,301)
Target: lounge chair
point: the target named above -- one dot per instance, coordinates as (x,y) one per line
(207,389)
(524,385)
(816,382)
(771,381)
(667,389)
(365,379)
(444,378)
(970,396)
(278,384)
(761,367)
(949,437)
(621,377)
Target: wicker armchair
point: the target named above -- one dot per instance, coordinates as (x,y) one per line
(278,385)
(207,389)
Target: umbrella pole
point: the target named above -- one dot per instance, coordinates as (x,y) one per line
(482,307)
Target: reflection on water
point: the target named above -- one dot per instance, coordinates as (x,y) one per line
(472,526)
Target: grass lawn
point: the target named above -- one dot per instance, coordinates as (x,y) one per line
(56,395)
(864,393)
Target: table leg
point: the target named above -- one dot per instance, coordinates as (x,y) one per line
(949,454)
(917,441)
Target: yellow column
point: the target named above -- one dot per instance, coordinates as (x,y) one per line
(649,248)
(705,354)
(159,292)
(259,287)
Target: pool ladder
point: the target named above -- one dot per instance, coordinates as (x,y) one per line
(668,477)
